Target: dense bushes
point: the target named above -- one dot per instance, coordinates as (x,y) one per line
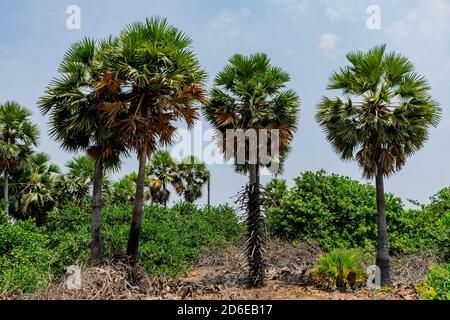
(336,211)
(437,285)
(171,239)
(24,257)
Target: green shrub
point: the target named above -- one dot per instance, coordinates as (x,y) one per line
(171,240)
(25,259)
(336,211)
(341,268)
(273,193)
(437,284)
(333,210)
(3,216)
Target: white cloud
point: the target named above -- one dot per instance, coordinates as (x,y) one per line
(295,8)
(429,20)
(227,23)
(333,10)
(328,42)
(342,9)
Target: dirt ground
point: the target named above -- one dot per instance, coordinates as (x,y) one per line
(220,274)
(283,290)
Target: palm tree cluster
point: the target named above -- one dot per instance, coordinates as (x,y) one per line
(187,177)
(128,95)
(124,94)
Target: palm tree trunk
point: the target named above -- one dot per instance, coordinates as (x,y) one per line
(165,190)
(41,218)
(209,191)
(5,192)
(96,243)
(135,230)
(254,231)
(382,260)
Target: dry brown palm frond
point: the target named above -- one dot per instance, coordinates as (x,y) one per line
(224,119)
(108,83)
(108,111)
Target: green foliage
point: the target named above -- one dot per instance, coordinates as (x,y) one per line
(333,210)
(3,216)
(273,193)
(25,260)
(123,191)
(341,268)
(437,285)
(337,211)
(171,239)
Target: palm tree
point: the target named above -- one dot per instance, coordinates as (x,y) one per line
(250,94)
(17,135)
(81,166)
(74,101)
(37,194)
(161,82)
(75,185)
(191,176)
(383,118)
(162,171)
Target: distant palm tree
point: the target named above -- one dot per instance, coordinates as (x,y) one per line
(75,186)
(74,101)
(250,93)
(82,167)
(383,118)
(191,176)
(162,171)
(17,136)
(161,81)
(37,194)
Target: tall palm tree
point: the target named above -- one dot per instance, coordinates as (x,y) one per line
(162,171)
(161,81)
(17,135)
(382,119)
(191,176)
(250,94)
(73,101)
(37,194)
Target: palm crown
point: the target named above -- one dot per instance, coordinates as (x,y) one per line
(160,80)
(17,135)
(74,101)
(250,94)
(385,113)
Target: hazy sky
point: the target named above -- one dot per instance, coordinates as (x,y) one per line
(307,38)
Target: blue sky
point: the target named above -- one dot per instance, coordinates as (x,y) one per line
(307,38)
